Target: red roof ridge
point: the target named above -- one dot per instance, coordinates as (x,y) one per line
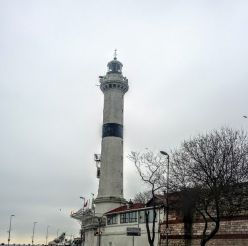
(124,208)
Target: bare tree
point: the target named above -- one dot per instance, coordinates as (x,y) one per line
(143,197)
(152,171)
(213,169)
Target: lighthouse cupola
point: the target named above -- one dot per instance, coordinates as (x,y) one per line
(115,66)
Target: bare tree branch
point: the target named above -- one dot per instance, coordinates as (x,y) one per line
(215,163)
(152,171)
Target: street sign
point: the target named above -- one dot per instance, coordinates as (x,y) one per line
(133,231)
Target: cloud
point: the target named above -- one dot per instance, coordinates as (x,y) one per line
(186,65)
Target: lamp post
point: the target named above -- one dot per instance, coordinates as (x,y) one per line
(83,198)
(57,232)
(33,232)
(47,233)
(81,232)
(99,231)
(167,193)
(9,231)
(100,222)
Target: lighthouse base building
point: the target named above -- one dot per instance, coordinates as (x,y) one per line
(122,226)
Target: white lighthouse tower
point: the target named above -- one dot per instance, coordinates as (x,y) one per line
(110,191)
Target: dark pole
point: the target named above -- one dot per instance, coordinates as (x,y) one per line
(99,232)
(47,233)
(12,215)
(167,201)
(167,196)
(33,233)
(81,232)
(100,221)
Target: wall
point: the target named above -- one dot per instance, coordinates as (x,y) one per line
(233,232)
(115,235)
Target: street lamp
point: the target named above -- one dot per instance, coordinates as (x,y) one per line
(57,232)
(47,233)
(83,198)
(33,232)
(12,215)
(100,222)
(167,193)
(81,231)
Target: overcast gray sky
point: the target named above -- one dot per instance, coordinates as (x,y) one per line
(186,62)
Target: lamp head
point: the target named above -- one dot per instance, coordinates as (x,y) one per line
(163,153)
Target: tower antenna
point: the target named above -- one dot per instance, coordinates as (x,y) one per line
(115,54)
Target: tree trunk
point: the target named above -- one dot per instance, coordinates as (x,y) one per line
(150,241)
(212,234)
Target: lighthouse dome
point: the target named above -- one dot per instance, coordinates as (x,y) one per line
(115,66)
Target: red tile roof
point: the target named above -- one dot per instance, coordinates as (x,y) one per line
(134,206)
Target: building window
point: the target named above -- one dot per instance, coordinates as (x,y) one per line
(124,218)
(142,216)
(112,219)
(129,217)
(132,217)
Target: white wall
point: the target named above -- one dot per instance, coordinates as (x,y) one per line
(116,234)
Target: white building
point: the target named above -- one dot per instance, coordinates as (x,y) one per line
(111,228)
(128,218)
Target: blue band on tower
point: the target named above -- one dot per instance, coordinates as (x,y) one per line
(112,130)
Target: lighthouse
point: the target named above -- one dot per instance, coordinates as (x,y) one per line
(110,171)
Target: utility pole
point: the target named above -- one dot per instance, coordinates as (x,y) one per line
(33,232)
(47,233)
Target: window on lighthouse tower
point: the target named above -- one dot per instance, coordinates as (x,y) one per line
(114,67)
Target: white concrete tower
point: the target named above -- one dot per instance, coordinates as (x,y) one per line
(110,191)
